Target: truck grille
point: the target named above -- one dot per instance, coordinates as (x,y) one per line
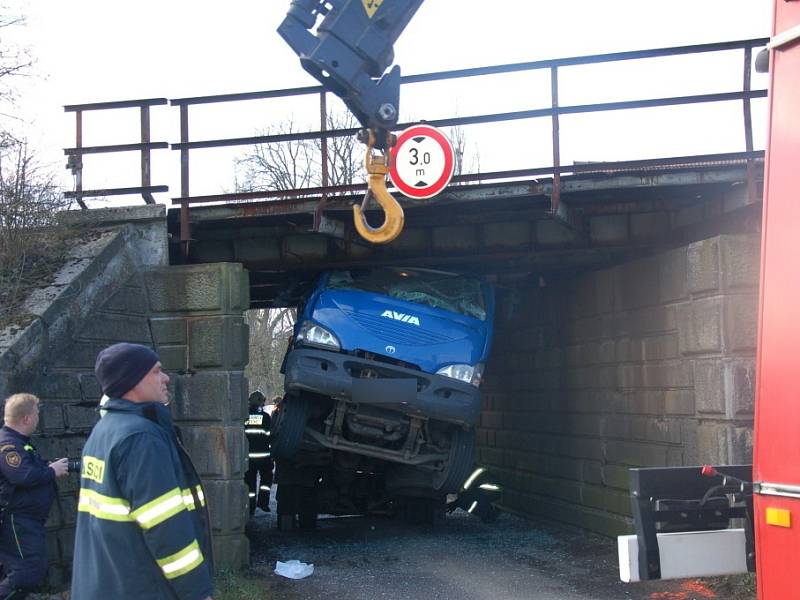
(396,331)
(385,359)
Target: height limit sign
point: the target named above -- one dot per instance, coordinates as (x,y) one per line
(422,162)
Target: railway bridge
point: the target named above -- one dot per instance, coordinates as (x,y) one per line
(627,297)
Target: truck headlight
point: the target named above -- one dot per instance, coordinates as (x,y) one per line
(312,334)
(467,373)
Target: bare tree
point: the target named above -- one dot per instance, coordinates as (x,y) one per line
(270,331)
(29,242)
(458,139)
(278,166)
(297,164)
(15,61)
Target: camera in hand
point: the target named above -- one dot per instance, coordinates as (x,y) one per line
(73,465)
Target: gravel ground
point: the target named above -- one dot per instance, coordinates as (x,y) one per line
(462,559)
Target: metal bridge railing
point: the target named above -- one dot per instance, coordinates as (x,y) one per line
(745,95)
(75,155)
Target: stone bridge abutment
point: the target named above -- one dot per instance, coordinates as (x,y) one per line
(649,363)
(117,286)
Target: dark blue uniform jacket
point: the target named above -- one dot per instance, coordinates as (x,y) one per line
(142,524)
(27,485)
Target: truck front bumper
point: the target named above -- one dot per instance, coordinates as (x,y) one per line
(407,390)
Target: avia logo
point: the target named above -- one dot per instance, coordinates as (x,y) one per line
(410,319)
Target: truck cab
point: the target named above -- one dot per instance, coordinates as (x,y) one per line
(383,378)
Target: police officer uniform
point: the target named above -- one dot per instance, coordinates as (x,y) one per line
(260,465)
(27,491)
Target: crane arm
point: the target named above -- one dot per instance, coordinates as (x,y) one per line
(350,52)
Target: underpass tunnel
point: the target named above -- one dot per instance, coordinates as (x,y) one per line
(624,327)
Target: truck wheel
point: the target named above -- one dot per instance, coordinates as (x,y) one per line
(288,426)
(460,461)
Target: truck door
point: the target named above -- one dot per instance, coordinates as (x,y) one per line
(776,468)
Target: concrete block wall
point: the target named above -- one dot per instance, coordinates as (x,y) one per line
(196,318)
(203,344)
(650,363)
(70,393)
(112,288)
(95,299)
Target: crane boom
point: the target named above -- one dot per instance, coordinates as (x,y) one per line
(350,52)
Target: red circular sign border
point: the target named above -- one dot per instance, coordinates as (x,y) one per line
(449,161)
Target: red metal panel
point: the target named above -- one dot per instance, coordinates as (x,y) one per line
(777,441)
(777,549)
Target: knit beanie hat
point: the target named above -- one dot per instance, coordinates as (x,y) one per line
(120,367)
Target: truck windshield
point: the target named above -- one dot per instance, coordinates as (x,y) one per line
(455,293)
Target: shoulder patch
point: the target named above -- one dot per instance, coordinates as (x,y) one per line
(13,459)
(5,447)
(93,468)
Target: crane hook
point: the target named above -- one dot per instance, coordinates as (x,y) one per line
(377,167)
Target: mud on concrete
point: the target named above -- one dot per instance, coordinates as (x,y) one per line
(366,558)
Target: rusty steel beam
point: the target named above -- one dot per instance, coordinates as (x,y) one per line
(144,127)
(585,60)
(301,195)
(76,163)
(467,258)
(261,95)
(124,191)
(555,197)
(115,104)
(534,194)
(752,192)
(323,117)
(185,226)
(479,119)
(116,148)
(493,70)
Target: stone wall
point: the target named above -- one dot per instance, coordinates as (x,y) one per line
(115,288)
(199,332)
(650,363)
(96,298)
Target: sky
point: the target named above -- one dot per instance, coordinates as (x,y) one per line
(93,51)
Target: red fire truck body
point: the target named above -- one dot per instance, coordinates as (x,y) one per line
(776,466)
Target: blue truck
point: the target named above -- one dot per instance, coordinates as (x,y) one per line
(382,391)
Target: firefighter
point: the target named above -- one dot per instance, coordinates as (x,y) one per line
(142,529)
(27,491)
(260,465)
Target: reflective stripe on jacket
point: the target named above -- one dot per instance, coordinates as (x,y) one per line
(257,430)
(142,529)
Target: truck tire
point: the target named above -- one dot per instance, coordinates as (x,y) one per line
(288,425)
(459,463)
